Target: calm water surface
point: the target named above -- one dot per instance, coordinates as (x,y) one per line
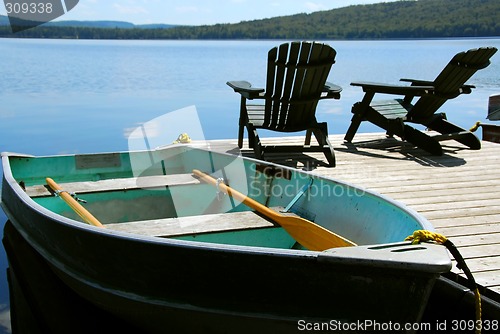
(69,96)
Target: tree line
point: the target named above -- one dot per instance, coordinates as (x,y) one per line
(401,19)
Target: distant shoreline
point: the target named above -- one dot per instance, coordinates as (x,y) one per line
(423,19)
(261,39)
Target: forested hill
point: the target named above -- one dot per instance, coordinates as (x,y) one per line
(400,19)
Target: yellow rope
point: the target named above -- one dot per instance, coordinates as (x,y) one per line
(182,139)
(425,236)
(478,309)
(475,127)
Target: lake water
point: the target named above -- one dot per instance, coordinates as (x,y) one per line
(72,96)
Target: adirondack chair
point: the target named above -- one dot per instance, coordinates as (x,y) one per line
(296,81)
(392,115)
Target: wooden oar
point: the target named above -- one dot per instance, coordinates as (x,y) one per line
(73,204)
(305,232)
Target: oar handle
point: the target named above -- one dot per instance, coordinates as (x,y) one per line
(73,204)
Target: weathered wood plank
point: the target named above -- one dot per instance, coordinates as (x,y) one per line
(487,278)
(483,264)
(477,240)
(465,182)
(467,212)
(495,288)
(194,224)
(468,230)
(452,205)
(449,195)
(444,222)
(118,184)
(472,252)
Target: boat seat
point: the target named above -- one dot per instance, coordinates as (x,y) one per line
(120,184)
(210,223)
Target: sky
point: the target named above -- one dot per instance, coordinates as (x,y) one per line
(196,12)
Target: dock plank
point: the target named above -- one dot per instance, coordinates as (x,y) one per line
(490,263)
(469,230)
(458,192)
(477,239)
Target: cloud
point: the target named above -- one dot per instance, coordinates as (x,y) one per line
(314,7)
(129,9)
(187,9)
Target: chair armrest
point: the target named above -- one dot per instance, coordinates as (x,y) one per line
(332,91)
(245,89)
(394,89)
(416,82)
(464,89)
(467,89)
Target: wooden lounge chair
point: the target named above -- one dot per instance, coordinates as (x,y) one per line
(296,81)
(393,115)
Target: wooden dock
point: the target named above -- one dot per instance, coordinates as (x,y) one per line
(459,192)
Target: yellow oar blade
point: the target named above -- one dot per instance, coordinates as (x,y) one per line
(308,234)
(311,235)
(73,204)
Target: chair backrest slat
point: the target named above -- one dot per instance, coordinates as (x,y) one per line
(279,79)
(291,72)
(296,75)
(271,72)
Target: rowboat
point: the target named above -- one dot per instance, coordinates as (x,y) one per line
(196,239)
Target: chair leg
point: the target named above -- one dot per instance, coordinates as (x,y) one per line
(241,130)
(254,142)
(421,140)
(258,151)
(359,110)
(395,127)
(242,121)
(251,135)
(321,134)
(466,138)
(329,153)
(356,120)
(307,142)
